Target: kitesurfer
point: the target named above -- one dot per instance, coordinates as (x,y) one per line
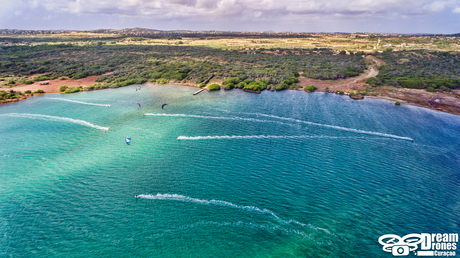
(162,106)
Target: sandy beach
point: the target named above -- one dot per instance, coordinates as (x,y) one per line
(53,86)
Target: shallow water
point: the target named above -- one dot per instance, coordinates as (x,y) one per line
(221,174)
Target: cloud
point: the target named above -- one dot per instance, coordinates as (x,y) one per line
(248,8)
(281,15)
(438,6)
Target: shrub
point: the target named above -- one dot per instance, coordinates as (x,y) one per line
(162,81)
(213,87)
(295,86)
(256,86)
(63,88)
(234,80)
(340,92)
(63,79)
(411,83)
(397,103)
(241,85)
(229,86)
(310,88)
(27,81)
(201,85)
(73,89)
(27,92)
(373,81)
(39,91)
(431,89)
(282,86)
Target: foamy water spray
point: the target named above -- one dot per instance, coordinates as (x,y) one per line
(182,198)
(56,118)
(322,125)
(254,137)
(335,127)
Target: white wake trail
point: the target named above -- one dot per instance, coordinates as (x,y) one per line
(334,127)
(56,118)
(254,137)
(217,117)
(182,198)
(81,102)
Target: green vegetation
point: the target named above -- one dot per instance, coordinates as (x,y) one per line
(397,103)
(10,94)
(340,92)
(162,81)
(213,87)
(39,91)
(420,69)
(229,86)
(73,89)
(135,64)
(310,88)
(259,61)
(327,67)
(374,81)
(289,83)
(27,81)
(63,88)
(28,92)
(431,89)
(97,86)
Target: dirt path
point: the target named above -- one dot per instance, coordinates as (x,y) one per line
(351,84)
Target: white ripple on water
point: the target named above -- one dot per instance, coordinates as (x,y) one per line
(56,118)
(326,125)
(287,119)
(82,102)
(183,198)
(218,117)
(271,229)
(255,137)
(337,127)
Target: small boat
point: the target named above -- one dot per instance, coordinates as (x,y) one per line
(128,140)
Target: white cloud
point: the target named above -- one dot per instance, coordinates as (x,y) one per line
(229,14)
(438,6)
(254,8)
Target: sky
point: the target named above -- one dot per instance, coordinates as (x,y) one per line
(381,16)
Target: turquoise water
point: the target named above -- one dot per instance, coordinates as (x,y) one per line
(280,174)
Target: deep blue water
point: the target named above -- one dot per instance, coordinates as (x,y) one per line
(280,174)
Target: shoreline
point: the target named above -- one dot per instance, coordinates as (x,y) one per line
(449,103)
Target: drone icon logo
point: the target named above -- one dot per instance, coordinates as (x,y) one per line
(400,246)
(430,244)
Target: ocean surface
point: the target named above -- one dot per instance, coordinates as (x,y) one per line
(221,174)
